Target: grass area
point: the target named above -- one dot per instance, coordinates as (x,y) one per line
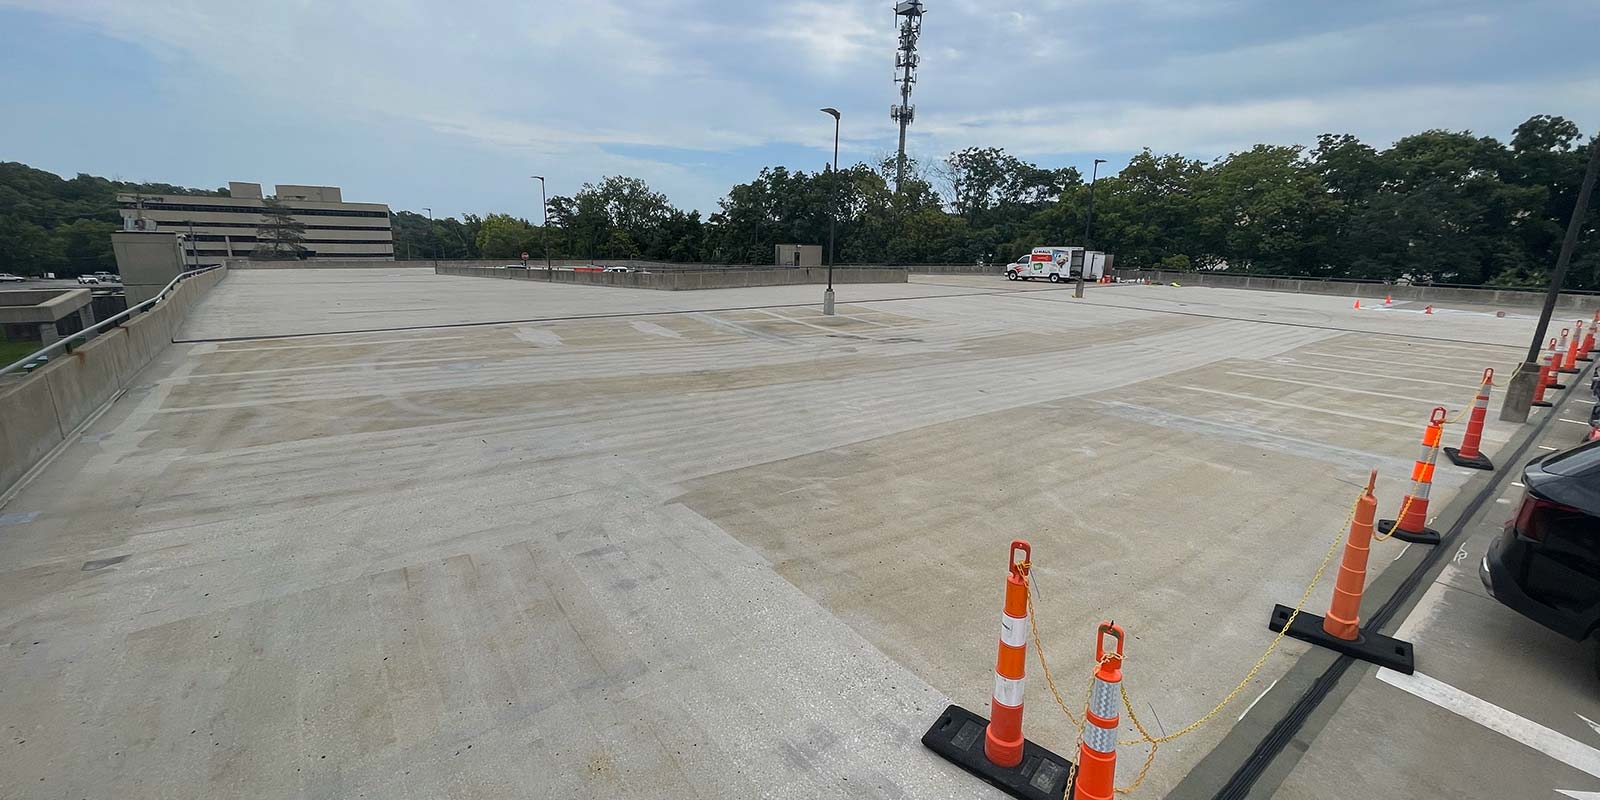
(11,351)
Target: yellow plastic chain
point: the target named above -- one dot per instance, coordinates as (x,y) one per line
(1155,742)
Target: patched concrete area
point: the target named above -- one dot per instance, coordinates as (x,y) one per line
(702,544)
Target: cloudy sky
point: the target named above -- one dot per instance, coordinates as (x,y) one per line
(453,104)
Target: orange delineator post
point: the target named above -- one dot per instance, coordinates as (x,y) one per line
(1412,524)
(1539,386)
(1553,380)
(1340,630)
(1002,739)
(1097,752)
(1561,349)
(1469,454)
(1344,612)
(1571,364)
(1588,339)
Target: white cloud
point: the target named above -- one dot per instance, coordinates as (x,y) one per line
(653,86)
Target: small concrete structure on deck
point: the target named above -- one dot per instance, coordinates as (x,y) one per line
(44,315)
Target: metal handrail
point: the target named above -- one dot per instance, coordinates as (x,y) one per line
(65,341)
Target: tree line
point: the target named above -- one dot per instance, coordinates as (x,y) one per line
(1437,206)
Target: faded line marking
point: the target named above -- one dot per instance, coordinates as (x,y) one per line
(1434,367)
(1552,743)
(1573,421)
(413,340)
(1303,407)
(344,365)
(1548,447)
(1366,374)
(1332,387)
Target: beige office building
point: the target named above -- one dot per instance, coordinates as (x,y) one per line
(215,228)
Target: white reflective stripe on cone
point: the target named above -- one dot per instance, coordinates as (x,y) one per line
(1013,631)
(1482,401)
(1007,692)
(1099,739)
(1103,701)
(1421,491)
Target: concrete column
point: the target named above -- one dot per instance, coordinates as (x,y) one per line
(47,334)
(86,315)
(1519,394)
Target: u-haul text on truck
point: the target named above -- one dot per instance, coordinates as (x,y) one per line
(1057,263)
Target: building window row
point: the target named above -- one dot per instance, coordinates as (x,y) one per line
(179,225)
(257,210)
(245,253)
(211,237)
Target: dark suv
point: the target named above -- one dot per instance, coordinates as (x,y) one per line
(1546,565)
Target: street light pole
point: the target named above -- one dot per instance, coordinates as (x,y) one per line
(1519,392)
(544,229)
(1094,174)
(833,214)
(430,238)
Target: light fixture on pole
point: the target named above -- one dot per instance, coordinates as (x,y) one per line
(833,213)
(1094,174)
(544,229)
(430,238)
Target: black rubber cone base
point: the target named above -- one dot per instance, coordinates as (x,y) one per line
(1553,386)
(958,736)
(1480,462)
(1543,404)
(1428,535)
(1368,646)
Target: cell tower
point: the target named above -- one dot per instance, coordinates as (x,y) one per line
(909,16)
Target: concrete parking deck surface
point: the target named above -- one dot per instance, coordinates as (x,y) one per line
(700,544)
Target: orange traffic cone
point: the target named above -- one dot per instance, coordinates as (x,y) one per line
(1341,629)
(1540,385)
(1097,751)
(1554,380)
(1427,310)
(1412,525)
(1388,300)
(994,749)
(1561,349)
(1571,364)
(1588,340)
(1469,455)
(1002,740)
(1358,304)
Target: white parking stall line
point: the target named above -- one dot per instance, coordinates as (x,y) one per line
(1334,388)
(1387,362)
(1294,364)
(1573,421)
(1302,407)
(1548,447)
(1552,743)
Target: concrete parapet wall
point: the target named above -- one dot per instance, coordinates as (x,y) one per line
(1586,304)
(39,410)
(690,279)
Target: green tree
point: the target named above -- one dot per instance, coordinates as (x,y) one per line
(280,236)
(505,236)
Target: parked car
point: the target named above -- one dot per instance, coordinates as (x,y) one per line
(1546,564)
(513,266)
(6,277)
(108,277)
(617,269)
(88,280)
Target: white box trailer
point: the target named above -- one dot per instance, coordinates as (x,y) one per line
(1055,262)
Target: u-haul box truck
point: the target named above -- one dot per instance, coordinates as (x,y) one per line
(1058,263)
